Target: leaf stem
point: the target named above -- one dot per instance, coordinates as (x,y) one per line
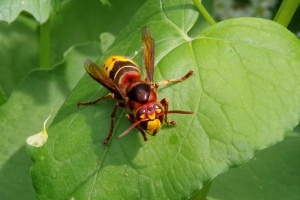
(202,193)
(286,12)
(204,12)
(44,49)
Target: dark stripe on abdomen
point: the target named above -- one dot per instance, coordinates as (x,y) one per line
(118,65)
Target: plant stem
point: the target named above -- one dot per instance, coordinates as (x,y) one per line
(204,12)
(45,45)
(286,12)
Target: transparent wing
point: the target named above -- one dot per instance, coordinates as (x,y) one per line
(148,47)
(97,74)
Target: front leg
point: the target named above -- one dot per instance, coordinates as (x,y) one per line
(165,103)
(130,117)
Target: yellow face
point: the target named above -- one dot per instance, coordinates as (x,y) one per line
(153,113)
(153,126)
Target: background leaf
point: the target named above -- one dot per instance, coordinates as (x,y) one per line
(2,97)
(70,26)
(273,173)
(30,98)
(9,10)
(40,92)
(18,52)
(245,95)
(85,20)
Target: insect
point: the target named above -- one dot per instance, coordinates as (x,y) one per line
(122,77)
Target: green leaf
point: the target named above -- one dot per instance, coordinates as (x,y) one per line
(245,96)
(18,52)
(272,174)
(80,21)
(23,115)
(19,49)
(2,97)
(9,10)
(31,102)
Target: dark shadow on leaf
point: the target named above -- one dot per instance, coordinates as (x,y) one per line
(15,176)
(41,85)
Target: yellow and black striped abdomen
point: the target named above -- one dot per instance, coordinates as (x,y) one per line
(121,69)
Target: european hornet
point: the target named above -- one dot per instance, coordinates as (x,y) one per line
(122,77)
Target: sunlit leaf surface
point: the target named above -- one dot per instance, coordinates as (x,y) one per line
(245,94)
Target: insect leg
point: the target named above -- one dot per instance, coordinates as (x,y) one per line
(112,122)
(165,103)
(108,96)
(174,80)
(130,117)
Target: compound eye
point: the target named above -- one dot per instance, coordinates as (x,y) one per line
(157,108)
(141,114)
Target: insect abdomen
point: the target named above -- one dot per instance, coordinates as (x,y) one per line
(120,69)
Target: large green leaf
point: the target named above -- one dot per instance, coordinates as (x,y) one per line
(23,114)
(272,174)
(33,98)
(245,98)
(9,10)
(76,22)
